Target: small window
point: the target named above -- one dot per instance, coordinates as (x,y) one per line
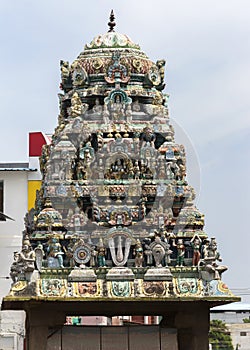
(2,218)
(243,334)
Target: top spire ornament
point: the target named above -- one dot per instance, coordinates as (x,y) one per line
(111,23)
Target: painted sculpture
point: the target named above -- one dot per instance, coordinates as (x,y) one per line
(114,200)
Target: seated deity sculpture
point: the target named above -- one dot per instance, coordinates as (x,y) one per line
(54,253)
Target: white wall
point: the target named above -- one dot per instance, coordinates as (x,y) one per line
(12,330)
(236,330)
(15,206)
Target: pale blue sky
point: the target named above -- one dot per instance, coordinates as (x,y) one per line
(207,47)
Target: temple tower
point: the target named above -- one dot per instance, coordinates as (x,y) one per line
(115,230)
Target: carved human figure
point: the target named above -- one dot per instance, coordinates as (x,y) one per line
(15,268)
(39,253)
(180,252)
(161,66)
(54,250)
(64,65)
(79,75)
(148,135)
(196,244)
(212,250)
(169,172)
(209,261)
(70,252)
(148,252)
(87,153)
(129,113)
(136,170)
(101,253)
(93,257)
(78,219)
(138,253)
(97,109)
(205,248)
(105,114)
(76,105)
(26,259)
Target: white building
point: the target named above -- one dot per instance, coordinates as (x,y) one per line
(233,315)
(13,204)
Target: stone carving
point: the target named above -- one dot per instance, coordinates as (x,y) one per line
(161,66)
(119,245)
(180,252)
(87,288)
(115,204)
(54,253)
(82,253)
(101,253)
(121,288)
(24,262)
(152,288)
(117,72)
(138,253)
(196,244)
(39,254)
(53,287)
(76,106)
(159,250)
(80,76)
(208,267)
(187,285)
(65,71)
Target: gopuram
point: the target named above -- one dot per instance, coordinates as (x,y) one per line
(115,230)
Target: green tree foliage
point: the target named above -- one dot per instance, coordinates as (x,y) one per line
(246,320)
(219,336)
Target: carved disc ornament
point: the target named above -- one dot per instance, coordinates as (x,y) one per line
(82,254)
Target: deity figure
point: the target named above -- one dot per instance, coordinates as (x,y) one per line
(101,253)
(39,253)
(77,220)
(15,269)
(148,252)
(70,251)
(196,244)
(180,252)
(212,251)
(87,153)
(161,66)
(81,171)
(54,250)
(97,109)
(209,261)
(117,108)
(128,113)
(93,256)
(23,261)
(136,106)
(138,253)
(64,71)
(136,170)
(44,158)
(205,248)
(105,114)
(148,136)
(79,75)
(117,72)
(76,105)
